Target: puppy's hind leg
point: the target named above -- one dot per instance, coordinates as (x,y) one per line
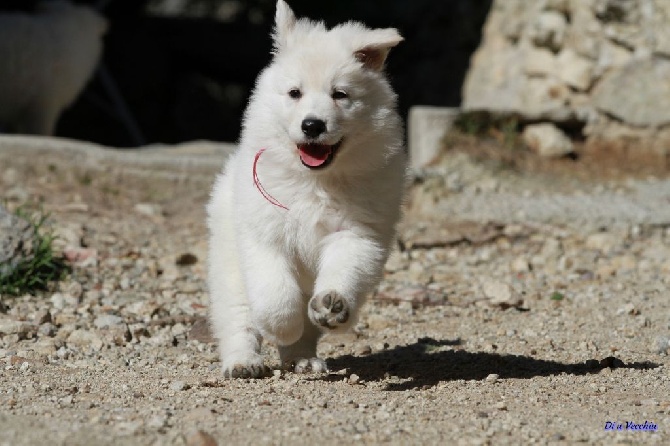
(300,357)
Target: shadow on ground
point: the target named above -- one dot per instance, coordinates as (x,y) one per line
(424,364)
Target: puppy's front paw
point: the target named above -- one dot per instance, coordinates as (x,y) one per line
(328,310)
(308,365)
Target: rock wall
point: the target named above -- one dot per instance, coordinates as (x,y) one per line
(599,66)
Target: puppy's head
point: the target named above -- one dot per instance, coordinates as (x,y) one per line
(329,93)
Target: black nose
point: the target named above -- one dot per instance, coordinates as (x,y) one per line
(312,128)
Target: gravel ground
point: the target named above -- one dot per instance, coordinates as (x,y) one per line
(503,318)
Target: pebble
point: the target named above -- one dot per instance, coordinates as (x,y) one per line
(363,350)
(354,379)
(520,265)
(493,377)
(602,241)
(42,317)
(85,338)
(178,386)
(107,320)
(149,209)
(501,405)
(501,294)
(157,421)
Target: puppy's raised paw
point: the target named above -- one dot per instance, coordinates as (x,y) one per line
(329,310)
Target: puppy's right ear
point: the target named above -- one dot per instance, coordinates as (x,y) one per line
(284,23)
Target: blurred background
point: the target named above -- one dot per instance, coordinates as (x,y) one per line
(185,68)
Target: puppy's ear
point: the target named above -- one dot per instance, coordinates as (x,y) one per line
(375,46)
(284,23)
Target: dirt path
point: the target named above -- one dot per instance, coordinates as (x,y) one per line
(505,320)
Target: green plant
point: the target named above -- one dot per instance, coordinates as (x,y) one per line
(557,296)
(39,267)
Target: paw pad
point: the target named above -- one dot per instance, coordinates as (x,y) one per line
(328,310)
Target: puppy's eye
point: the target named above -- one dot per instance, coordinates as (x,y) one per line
(339,94)
(294,93)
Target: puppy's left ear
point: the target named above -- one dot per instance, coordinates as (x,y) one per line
(284,23)
(375,46)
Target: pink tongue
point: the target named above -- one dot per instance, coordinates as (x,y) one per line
(314,155)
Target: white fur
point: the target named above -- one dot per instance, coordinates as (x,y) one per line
(46,59)
(267,265)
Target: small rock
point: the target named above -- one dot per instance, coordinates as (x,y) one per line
(501,294)
(200,438)
(42,317)
(661,345)
(117,335)
(22,330)
(157,421)
(149,209)
(520,265)
(58,301)
(493,377)
(82,257)
(48,329)
(190,288)
(9,326)
(178,386)
(354,379)
(46,347)
(547,140)
(602,241)
(85,338)
(107,320)
(363,350)
(501,405)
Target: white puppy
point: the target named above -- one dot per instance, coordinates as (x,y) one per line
(303,215)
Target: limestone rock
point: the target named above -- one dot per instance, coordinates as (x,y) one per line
(539,62)
(547,140)
(638,93)
(426,129)
(593,62)
(575,70)
(548,30)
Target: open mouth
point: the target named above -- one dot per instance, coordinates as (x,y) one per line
(317,156)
